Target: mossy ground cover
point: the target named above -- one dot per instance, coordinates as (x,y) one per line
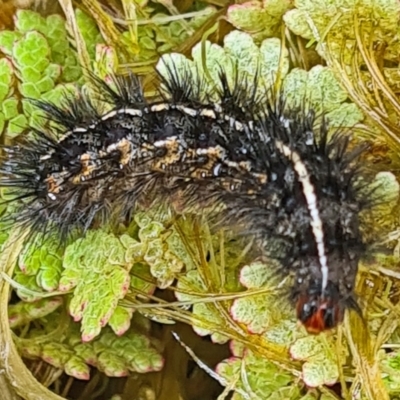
(104,306)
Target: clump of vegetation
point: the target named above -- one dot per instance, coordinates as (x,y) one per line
(104,306)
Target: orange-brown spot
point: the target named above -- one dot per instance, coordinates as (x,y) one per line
(87,168)
(172,155)
(124,146)
(230,184)
(52,186)
(214,157)
(261,177)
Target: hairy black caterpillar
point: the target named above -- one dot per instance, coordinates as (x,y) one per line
(275,171)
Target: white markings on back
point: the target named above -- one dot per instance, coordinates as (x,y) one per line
(208,113)
(188,111)
(79,130)
(311,199)
(239,126)
(217,169)
(131,111)
(159,107)
(109,115)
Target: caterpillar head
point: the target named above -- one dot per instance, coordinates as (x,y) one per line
(319,310)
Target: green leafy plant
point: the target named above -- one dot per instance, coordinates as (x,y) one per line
(86,308)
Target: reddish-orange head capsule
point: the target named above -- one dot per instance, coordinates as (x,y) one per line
(320,311)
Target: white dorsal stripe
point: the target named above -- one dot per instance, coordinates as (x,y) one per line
(311,199)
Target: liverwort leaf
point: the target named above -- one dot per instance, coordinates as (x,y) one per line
(192,282)
(77,368)
(255,310)
(258,377)
(97,270)
(41,260)
(320,366)
(22,312)
(120,320)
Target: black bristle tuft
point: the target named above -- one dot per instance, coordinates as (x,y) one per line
(242,97)
(181,87)
(74,111)
(121,91)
